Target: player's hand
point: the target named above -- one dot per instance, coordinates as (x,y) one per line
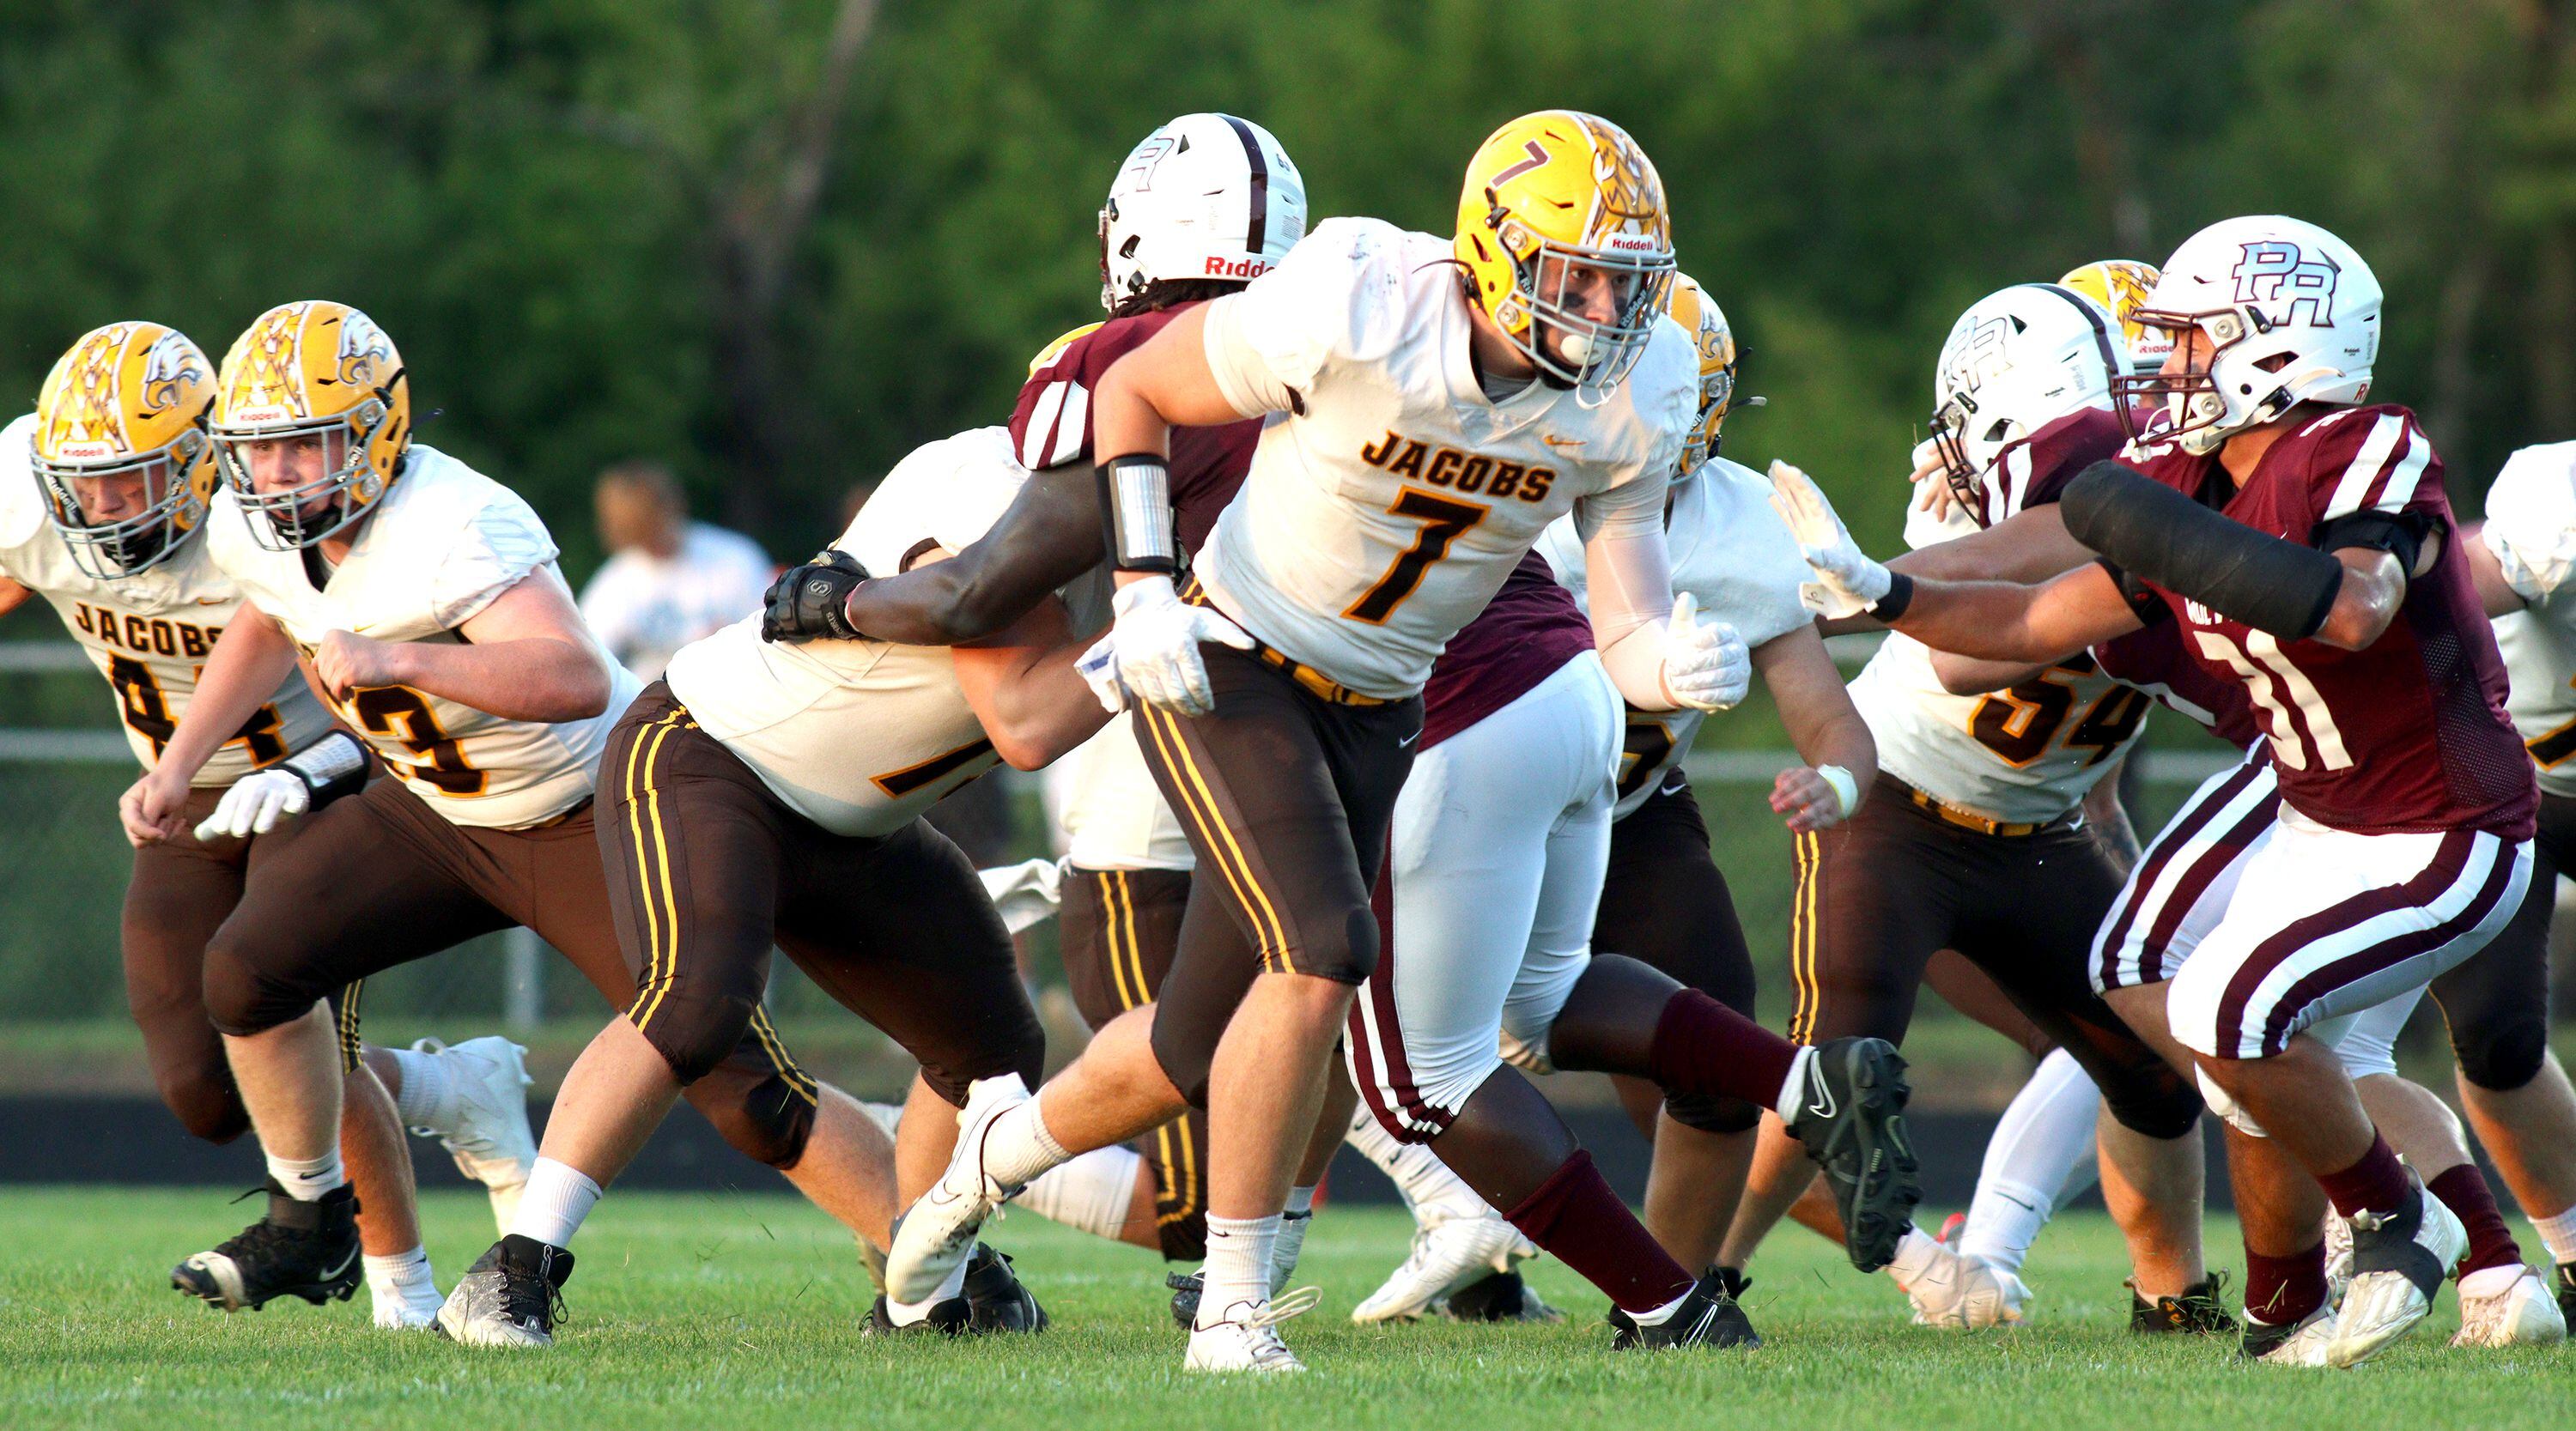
(1099,669)
(811,602)
(346,662)
(1808,799)
(154,808)
(1155,641)
(1847,582)
(256,804)
(1707,666)
(1931,479)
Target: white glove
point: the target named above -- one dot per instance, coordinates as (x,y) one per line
(1847,582)
(1155,640)
(1706,665)
(257,803)
(1099,668)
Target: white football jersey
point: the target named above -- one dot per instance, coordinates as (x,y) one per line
(861,736)
(2023,756)
(1385,510)
(2531,528)
(1732,551)
(443,543)
(148,634)
(1112,814)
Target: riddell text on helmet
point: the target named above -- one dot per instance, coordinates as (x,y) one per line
(1237,267)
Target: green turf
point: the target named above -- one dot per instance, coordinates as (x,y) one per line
(721,1312)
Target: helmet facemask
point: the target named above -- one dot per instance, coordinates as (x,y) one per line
(309,512)
(2200,415)
(1593,356)
(110,549)
(1966,452)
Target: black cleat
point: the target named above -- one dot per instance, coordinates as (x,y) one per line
(2197,1312)
(1851,1117)
(1497,1297)
(2567,1291)
(511,1297)
(1185,1297)
(995,1300)
(1708,1317)
(300,1249)
(950,1318)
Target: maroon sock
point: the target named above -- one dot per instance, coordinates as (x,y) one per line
(2281,1290)
(1579,1220)
(1702,1046)
(2375,1184)
(2464,1191)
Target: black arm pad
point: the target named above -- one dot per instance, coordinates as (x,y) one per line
(2155,532)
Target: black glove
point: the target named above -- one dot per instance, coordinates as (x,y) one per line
(809,602)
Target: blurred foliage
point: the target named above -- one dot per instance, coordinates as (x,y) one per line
(779,242)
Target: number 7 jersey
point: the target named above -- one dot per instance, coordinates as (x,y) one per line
(148,634)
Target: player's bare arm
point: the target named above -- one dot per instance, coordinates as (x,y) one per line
(1969,676)
(2108,817)
(1824,726)
(1049,535)
(2030,545)
(12,595)
(242,673)
(2494,592)
(1022,684)
(526,656)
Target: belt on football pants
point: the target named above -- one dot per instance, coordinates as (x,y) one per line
(1317,684)
(1971,820)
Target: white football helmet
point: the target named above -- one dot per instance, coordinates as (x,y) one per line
(2016,361)
(2290,314)
(1205,196)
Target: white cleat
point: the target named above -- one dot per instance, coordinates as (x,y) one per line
(937,1233)
(2338,1257)
(2302,1345)
(1965,1292)
(1448,1253)
(2400,1259)
(395,1312)
(2523,1314)
(491,1140)
(1247,1339)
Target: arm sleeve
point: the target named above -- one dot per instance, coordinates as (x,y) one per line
(1628,587)
(2531,519)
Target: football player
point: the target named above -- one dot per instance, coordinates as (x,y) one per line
(421,600)
(2402,845)
(1983,841)
(109,526)
(766,793)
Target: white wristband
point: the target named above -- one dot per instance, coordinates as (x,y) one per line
(1846,789)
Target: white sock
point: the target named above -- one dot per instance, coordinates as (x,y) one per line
(1915,1254)
(427,1097)
(2041,1153)
(1018,1147)
(2558,1234)
(307,1179)
(552,1206)
(1238,1264)
(1660,1315)
(1291,1242)
(1425,1182)
(904,1314)
(1793,1093)
(1090,1194)
(402,1279)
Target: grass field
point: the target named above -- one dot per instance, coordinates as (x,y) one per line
(715,1313)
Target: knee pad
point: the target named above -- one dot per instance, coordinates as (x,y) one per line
(1348,960)
(1185,1055)
(695,1035)
(1021,1051)
(2226,1107)
(207,1106)
(768,1121)
(1712,1114)
(2156,1102)
(241,1000)
(2503,1055)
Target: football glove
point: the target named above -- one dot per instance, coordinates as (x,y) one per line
(1847,582)
(1099,668)
(810,602)
(1155,642)
(256,804)
(1706,664)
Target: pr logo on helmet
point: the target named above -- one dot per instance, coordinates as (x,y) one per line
(2275,271)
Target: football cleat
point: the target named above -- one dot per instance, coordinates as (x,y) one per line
(2302,1343)
(300,1249)
(1186,1287)
(938,1230)
(951,1317)
(1851,1118)
(1707,1317)
(995,1299)
(2338,1257)
(1448,1253)
(1964,1292)
(2399,1261)
(2198,1311)
(2522,1314)
(490,1139)
(403,1309)
(511,1297)
(1247,1338)
(1497,1297)
(2567,1291)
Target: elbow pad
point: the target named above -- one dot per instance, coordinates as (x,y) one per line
(331,767)
(2152,531)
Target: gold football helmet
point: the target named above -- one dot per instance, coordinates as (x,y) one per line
(1548,195)
(1699,313)
(2121,285)
(323,370)
(127,402)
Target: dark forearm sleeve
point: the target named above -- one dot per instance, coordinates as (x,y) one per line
(2151,530)
(1049,535)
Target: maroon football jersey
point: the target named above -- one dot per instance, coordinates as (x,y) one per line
(2153,661)
(1530,628)
(2032,472)
(2408,734)
(1051,424)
